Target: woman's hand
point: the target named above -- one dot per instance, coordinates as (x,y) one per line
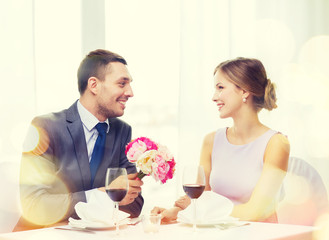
(183,202)
(167,215)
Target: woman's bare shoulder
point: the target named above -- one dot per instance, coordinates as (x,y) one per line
(278,150)
(209,138)
(279,140)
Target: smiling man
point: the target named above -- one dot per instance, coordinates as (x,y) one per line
(58,173)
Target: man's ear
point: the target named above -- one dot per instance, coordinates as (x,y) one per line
(92,85)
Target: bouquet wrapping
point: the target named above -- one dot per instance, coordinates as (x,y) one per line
(153,159)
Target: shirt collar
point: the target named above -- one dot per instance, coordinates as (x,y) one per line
(88,119)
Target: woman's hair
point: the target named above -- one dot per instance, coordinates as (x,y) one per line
(249,74)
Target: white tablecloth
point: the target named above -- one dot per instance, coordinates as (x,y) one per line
(253,231)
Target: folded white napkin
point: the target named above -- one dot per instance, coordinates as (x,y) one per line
(211,208)
(97,213)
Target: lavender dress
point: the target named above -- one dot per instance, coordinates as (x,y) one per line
(235,169)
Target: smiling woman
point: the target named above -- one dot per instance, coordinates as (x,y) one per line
(229,155)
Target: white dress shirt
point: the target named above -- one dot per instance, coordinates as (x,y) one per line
(89,121)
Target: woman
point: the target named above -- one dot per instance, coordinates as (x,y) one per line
(247,161)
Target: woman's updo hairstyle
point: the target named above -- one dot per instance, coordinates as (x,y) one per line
(249,74)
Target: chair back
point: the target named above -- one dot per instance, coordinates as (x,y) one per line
(305,196)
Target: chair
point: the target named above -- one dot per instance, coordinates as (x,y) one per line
(305,196)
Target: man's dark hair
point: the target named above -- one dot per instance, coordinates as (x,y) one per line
(94,65)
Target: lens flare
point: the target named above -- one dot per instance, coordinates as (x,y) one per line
(305,82)
(295,77)
(34,137)
(16,136)
(272,40)
(314,54)
(297,189)
(317,136)
(37,141)
(45,198)
(313,60)
(47,208)
(323,224)
(298,195)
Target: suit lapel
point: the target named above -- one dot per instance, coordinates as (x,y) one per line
(76,130)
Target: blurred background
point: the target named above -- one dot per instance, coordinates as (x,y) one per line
(172,48)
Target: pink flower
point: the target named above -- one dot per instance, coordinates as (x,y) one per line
(172,169)
(160,168)
(164,152)
(137,148)
(143,144)
(151,158)
(149,143)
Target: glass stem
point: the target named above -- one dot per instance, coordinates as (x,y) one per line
(116,217)
(194,214)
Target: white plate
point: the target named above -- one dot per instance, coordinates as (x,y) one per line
(94,225)
(212,208)
(101,228)
(210,222)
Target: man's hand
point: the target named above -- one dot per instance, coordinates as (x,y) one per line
(135,185)
(133,191)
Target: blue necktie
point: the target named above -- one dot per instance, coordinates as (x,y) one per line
(98,152)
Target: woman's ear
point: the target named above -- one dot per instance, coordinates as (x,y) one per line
(245,94)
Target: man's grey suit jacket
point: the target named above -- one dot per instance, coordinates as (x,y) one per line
(55,175)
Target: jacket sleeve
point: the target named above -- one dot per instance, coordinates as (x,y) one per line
(134,208)
(45,198)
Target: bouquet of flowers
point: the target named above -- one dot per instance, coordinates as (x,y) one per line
(151,158)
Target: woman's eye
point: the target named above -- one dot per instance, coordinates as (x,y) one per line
(220,87)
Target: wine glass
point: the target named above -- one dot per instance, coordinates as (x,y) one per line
(194,185)
(116,186)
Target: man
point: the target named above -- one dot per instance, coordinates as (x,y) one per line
(56,174)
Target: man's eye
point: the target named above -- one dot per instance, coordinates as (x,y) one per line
(122,84)
(220,87)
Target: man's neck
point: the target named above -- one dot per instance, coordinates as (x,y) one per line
(91,107)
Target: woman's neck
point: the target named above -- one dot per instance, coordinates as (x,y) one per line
(245,129)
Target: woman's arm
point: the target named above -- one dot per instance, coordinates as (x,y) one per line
(205,157)
(260,205)
(169,215)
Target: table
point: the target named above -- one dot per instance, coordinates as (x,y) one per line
(253,231)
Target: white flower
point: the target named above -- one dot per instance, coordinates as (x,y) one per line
(145,161)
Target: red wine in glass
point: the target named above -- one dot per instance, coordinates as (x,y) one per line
(194,183)
(116,194)
(116,187)
(193,190)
